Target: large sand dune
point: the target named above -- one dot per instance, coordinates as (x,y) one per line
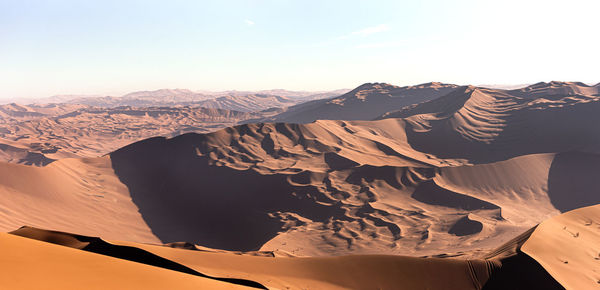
(483,125)
(559,253)
(456,176)
(366,102)
(90,126)
(38,135)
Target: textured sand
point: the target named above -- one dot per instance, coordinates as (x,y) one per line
(366,102)
(38,135)
(456,176)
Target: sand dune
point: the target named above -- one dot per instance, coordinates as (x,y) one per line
(485,125)
(366,102)
(567,247)
(510,266)
(458,176)
(247,103)
(356,188)
(30,264)
(38,135)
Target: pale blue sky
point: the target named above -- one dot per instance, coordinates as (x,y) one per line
(113,47)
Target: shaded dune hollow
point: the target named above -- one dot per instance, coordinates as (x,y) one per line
(268,190)
(332,187)
(578,174)
(429,192)
(183,198)
(185,195)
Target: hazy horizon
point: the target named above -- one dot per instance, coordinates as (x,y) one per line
(114,47)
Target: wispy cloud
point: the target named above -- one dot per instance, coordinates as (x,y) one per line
(371,30)
(356,34)
(249,22)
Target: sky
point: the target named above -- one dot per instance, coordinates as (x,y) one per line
(108,47)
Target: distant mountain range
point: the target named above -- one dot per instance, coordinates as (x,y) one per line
(246,101)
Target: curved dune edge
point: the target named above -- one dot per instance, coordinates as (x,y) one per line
(505,268)
(31,264)
(567,247)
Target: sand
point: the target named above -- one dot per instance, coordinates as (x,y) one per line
(453,179)
(365,102)
(31,264)
(507,267)
(567,247)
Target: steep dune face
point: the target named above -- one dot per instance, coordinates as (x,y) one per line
(282,182)
(79,195)
(457,175)
(331,187)
(519,186)
(567,247)
(366,102)
(507,267)
(52,266)
(485,125)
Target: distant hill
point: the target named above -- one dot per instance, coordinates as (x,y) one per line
(234,100)
(365,102)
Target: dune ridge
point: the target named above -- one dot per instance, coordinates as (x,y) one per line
(329,187)
(365,102)
(451,179)
(508,266)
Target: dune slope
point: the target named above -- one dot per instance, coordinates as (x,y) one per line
(506,267)
(365,102)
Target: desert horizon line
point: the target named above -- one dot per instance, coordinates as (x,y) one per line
(210,92)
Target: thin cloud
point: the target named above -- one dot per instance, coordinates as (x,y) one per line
(249,22)
(355,34)
(371,30)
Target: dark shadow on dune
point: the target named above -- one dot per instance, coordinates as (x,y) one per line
(507,131)
(26,157)
(338,162)
(510,268)
(182,197)
(521,272)
(574,180)
(99,246)
(429,192)
(465,226)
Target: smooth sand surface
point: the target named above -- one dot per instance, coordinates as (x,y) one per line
(78,195)
(31,264)
(567,246)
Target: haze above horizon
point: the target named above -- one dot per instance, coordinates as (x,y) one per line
(114,47)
